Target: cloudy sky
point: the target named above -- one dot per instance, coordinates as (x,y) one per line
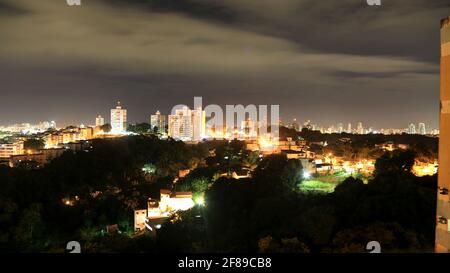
(328,61)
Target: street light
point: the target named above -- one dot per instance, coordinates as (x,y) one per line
(306,175)
(200,201)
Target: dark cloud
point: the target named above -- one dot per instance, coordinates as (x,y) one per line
(346,26)
(209,10)
(404,28)
(8,9)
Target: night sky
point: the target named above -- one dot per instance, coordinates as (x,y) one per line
(328,61)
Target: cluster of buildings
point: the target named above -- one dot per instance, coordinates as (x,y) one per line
(293,149)
(13,152)
(59,138)
(420,130)
(360,129)
(56,141)
(28,128)
(159,211)
(35,159)
(11,148)
(190,125)
(187,125)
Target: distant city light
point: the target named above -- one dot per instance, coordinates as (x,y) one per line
(149,169)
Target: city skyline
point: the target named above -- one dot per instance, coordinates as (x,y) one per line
(419,126)
(161,54)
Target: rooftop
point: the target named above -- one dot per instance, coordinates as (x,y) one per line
(181,194)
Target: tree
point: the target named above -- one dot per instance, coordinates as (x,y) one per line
(106,128)
(250,159)
(149,169)
(317,225)
(277,175)
(139,128)
(186,232)
(286,245)
(34,144)
(292,174)
(392,237)
(396,163)
(30,230)
(7,212)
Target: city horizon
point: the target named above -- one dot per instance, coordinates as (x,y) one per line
(106,114)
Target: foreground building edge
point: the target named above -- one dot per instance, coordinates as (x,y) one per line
(443,201)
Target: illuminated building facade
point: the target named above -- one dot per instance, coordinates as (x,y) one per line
(180,124)
(412,129)
(158,122)
(55,140)
(340,128)
(118,119)
(422,129)
(360,128)
(41,158)
(9,149)
(28,128)
(248,129)
(187,124)
(443,203)
(168,203)
(198,124)
(99,121)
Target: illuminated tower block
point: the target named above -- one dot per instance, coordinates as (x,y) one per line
(118,119)
(443,203)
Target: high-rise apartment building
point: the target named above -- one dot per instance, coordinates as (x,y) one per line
(340,128)
(249,129)
(198,124)
(360,128)
(412,129)
(158,123)
(187,124)
(180,124)
(10,149)
(443,203)
(295,125)
(118,119)
(307,125)
(422,129)
(99,121)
